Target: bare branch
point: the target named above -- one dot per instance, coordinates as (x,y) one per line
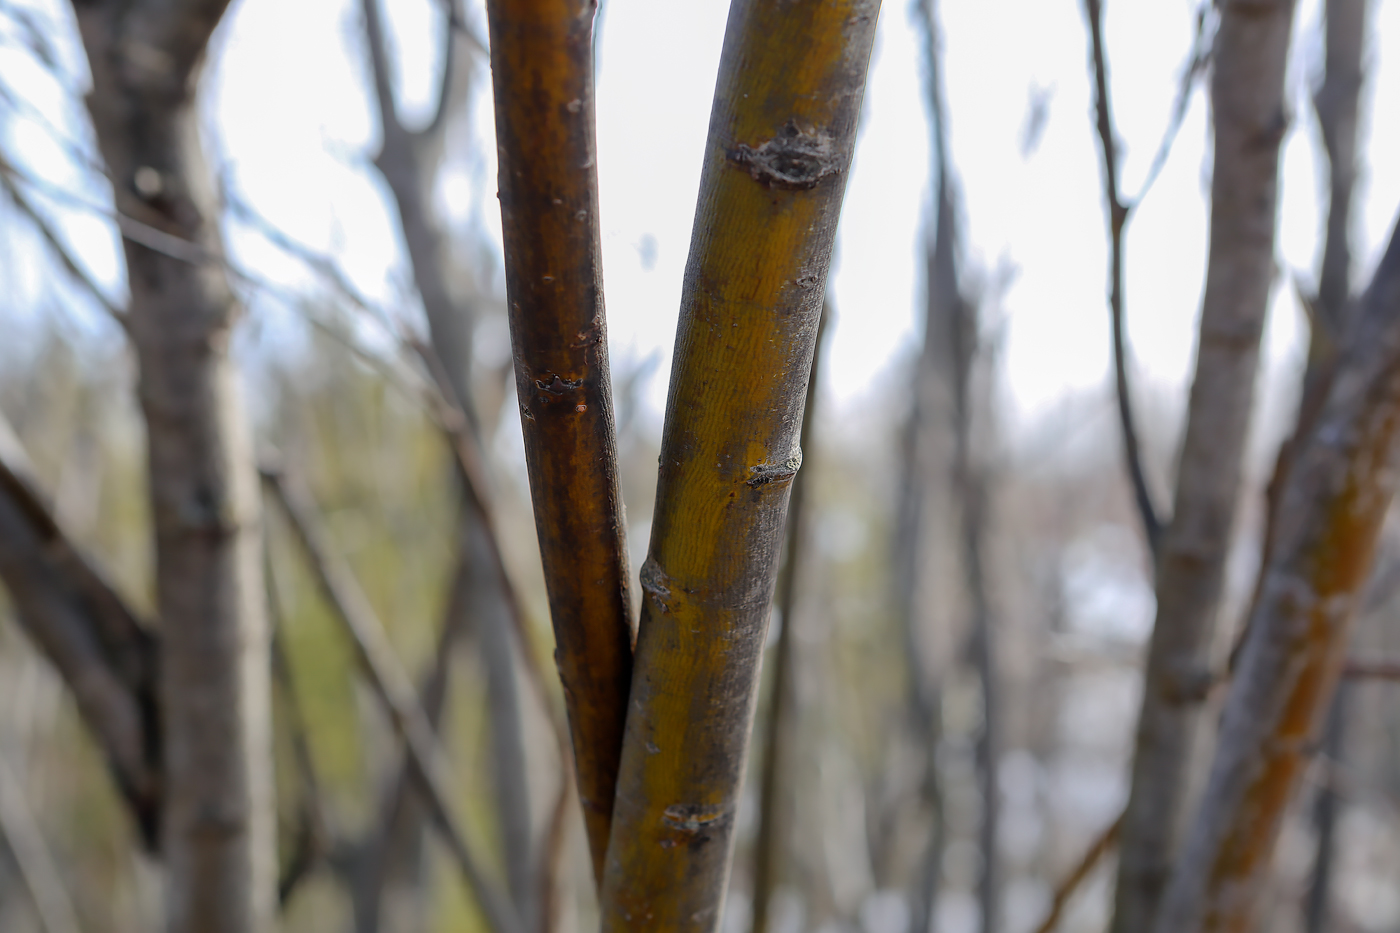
(79,622)
(789,89)
(447,101)
(1368,669)
(1195,67)
(1117,218)
(343,594)
(312,842)
(379,70)
(60,250)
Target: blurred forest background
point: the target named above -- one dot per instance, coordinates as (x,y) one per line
(1040,654)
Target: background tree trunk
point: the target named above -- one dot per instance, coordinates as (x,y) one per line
(1337,103)
(218,843)
(1331,506)
(1248,104)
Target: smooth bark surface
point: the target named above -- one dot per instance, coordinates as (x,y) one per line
(1247,97)
(1332,505)
(218,826)
(781,136)
(542,70)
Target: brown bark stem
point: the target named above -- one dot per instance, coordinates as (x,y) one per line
(1250,119)
(782,132)
(542,71)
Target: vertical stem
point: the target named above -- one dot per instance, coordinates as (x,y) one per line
(1337,103)
(782,131)
(770,847)
(1316,906)
(542,73)
(1117,220)
(218,824)
(1248,104)
(1334,498)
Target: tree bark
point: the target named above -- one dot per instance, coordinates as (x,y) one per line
(781,135)
(1248,101)
(218,835)
(542,69)
(1331,507)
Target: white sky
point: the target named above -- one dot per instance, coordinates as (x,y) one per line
(290,121)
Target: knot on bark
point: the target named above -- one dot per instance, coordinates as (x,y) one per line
(653,580)
(765,473)
(793,159)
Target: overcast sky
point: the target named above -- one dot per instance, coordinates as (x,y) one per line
(290,123)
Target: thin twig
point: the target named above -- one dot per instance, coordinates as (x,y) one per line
(450,417)
(313,828)
(1071,883)
(342,592)
(1201,48)
(1360,669)
(1117,218)
(60,249)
